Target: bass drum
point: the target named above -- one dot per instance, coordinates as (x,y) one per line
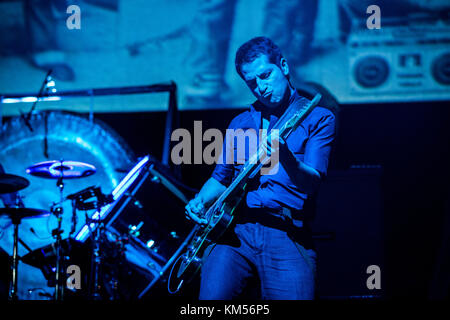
(56,135)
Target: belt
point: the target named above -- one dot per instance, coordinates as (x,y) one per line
(277,218)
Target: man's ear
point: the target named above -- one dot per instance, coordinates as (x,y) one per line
(284,66)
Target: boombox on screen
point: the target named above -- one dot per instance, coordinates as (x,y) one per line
(412,60)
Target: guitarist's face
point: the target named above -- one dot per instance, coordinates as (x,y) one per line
(267,81)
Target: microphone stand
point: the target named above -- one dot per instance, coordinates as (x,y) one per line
(26,118)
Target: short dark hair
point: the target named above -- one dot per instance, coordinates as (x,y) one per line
(254,48)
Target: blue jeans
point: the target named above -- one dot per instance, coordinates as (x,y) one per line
(263,253)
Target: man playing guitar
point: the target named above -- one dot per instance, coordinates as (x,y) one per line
(269,243)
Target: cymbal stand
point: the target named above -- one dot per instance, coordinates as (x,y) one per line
(97,234)
(97,260)
(58,211)
(14,268)
(15,259)
(96,240)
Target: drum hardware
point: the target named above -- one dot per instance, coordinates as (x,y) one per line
(97,237)
(148,224)
(56,233)
(41,292)
(9,186)
(153,246)
(97,259)
(156,179)
(16,215)
(60,170)
(134,200)
(150,243)
(93,198)
(74,218)
(174,235)
(44,258)
(113,265)
(89,199)
(134,230)
(108,253)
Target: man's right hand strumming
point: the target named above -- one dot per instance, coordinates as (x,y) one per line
(196,208)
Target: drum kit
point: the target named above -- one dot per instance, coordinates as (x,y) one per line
(10,184)
(142,212)
(131,241)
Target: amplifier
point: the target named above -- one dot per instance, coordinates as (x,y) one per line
(349,234)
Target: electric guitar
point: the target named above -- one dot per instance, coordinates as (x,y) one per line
(221,213)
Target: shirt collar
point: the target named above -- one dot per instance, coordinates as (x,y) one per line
(256,108)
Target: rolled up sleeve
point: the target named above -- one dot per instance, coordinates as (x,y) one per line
(319,144)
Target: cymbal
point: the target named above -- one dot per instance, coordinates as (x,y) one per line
(66,169)
(12,183)
(21,213)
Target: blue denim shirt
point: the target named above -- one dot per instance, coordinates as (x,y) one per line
(311,143)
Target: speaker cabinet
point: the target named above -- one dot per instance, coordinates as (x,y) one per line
(348,233)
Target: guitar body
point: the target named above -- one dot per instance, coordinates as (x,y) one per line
(219,216)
